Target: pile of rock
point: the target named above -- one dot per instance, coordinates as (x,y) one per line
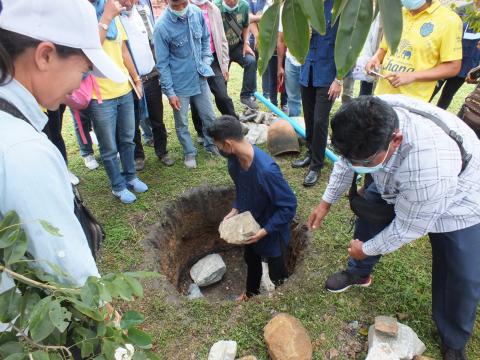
(256,123)
(391,340)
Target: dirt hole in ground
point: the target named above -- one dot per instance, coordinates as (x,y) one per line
(189,231)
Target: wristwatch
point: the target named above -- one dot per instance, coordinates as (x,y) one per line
(339,82)
(103,26)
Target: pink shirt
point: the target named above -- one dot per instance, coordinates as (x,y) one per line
(207,20)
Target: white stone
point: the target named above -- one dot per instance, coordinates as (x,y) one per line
(406,345)
(194,292)
(382,351)
(223,350)
(239,228)
(208,270)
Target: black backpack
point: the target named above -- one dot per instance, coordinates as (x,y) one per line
(91,227)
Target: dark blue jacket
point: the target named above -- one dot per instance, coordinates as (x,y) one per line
(264,192)
(320,58)
(471,54)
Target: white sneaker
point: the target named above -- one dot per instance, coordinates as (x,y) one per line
(190,161)
(73,179)
(90,162)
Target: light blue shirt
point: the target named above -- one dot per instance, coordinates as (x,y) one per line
(182,48)
(34,182)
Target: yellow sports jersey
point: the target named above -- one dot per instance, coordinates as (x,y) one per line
(108,88)
(429,38)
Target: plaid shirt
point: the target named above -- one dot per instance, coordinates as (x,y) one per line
(421,179)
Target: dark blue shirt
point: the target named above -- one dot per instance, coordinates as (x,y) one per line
(320,61)
(264,192)
(471,54)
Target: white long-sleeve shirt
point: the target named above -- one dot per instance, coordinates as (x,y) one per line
(34,182)
(421,178)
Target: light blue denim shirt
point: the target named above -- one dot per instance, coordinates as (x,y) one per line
(182,47)
(34,182)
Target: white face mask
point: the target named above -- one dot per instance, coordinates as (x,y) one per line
(230,8)
(180,13)
(413,4)
(199,2)
(369,169)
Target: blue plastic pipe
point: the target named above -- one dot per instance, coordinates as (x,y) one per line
(300,131)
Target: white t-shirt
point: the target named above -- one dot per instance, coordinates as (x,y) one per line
(289,55)
(138,40)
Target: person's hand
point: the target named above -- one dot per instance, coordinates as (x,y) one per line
(355,250)
(334,91)
(372,64)
(257,237)
(280,76)
(226,75)
(400,79)
(318,214)
(174,102)
(232,213)
(112,9)
(139,88)
(247,50)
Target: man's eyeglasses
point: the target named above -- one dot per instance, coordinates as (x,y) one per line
(370,159)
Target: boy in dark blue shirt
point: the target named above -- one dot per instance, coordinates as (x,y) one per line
(262,190)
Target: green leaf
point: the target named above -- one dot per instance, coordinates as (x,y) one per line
(139,338)
(103,292)
(15,252)
(108,348)
(10,228)
(40,324)
(52,230)
(151,355)
(29,299)
(355,22)
(40,355)
(337,9)
(6,337)
(9,348)
(86,349)
(131,318)
(101,329)
(315,11)
(16,357)
(90,292)
(59,316)
(139,356)
(268,33)
(135,285)
(10,302)
(391,15)
(297,37)
(122,289)
(86,310)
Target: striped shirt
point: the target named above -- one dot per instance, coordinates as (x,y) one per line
(421,179)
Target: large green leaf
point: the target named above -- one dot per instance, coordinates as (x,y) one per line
(10,228)
(59,316)
(391,13)
(315,11)
(40,324)
(268,32)
(29,299)
(337,9)
(131,318)
(10,302)
(16,357)
(9,348)
(14,253)
(40,355)
(296,30)
(135,285)
(355,22)
(139,338)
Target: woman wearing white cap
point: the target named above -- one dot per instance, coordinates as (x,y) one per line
(46,47)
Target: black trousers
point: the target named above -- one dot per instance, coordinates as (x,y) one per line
(153,94)
(276,270)
(316,110)
(455,275)
(53,130)
(450,88)
(218,87)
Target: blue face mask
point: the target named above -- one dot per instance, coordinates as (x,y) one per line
(180,13)
(413,4)
(369,169)
(229,8)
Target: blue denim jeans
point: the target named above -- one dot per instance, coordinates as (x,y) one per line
(203,104)
(114,125)
(292,87)
(85,149)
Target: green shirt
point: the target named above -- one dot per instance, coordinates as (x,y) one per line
(240,15)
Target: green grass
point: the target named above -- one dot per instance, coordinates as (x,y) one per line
(186,330)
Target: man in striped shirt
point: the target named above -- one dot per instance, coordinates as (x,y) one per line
(430,183)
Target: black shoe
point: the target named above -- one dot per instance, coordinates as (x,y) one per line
(249,102)
(452,354)
(300,163)
(166,160)
(139,164)
(342,280)
(311,178)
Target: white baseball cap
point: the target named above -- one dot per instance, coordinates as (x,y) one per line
(71,23)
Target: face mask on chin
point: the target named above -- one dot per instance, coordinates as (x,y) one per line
(180,13)
(230,8)
(413,4)
(199,2)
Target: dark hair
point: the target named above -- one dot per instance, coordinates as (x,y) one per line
(226,127)
(362,127)
(13,44)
